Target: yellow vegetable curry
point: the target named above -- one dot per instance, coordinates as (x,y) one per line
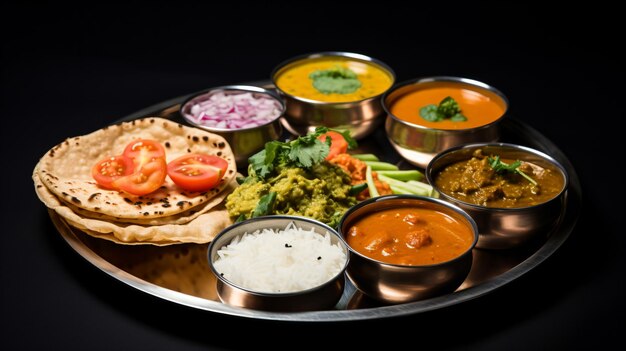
(296,79)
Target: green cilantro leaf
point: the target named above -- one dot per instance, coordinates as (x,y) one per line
(501,167)
(339,80)
(430,113)
(306,155)
(263,161)
(448,108)
(265,205)
(303,152)
(458,118)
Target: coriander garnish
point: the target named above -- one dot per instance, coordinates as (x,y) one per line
(303,152)
(338,80)
(501,167)
(448,108)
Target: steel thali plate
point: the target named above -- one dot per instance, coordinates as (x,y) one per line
(180,273)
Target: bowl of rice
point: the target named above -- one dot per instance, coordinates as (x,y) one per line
(280,264)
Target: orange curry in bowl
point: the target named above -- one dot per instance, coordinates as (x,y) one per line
(476,105)
(410,236)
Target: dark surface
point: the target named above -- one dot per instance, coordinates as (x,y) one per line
(69,71)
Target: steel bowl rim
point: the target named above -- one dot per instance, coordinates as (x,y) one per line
(455,208)
(227,282)
(233,87)
(453,79)
(546,157)
(352,55)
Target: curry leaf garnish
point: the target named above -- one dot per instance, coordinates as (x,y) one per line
(502,167)
(303,152)
(448,108)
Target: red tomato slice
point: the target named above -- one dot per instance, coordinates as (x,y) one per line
(110,169)
(145,179)
(197,172)
(338,144)
(143,150)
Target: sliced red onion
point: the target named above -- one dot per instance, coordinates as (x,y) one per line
(235,110)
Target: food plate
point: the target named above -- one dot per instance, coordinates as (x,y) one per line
(180,273)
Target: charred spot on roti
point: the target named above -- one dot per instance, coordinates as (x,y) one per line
(39,186)
(152,121)
(64,193)
(149,203)
(93,196)
(128,200)
(188,150)
(52,153)
(230,171)
(96,208)
(205,138)
(146,213)
(166,205)
(219,153)
(75,200)
(195,139)
(214,144)
(167,144)
(221,145)
(189,137)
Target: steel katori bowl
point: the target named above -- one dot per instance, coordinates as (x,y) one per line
(394,283)
(503,228)
(360,117)
(321,297)
(419,144)
(244,142)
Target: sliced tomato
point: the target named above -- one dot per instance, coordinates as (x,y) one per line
(338,144)
(145,179)
(144,150)
(197,172)
(110,169)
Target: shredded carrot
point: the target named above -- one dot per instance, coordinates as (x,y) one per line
(356,169)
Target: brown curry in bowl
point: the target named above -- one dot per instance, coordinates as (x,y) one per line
(478,181)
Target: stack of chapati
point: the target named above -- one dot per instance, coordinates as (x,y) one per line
(169,215)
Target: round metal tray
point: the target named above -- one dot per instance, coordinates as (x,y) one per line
(180,273)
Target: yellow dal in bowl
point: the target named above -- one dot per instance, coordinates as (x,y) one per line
(294,79)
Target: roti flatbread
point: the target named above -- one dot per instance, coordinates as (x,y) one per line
(66,169)
(179,218)
(201,229)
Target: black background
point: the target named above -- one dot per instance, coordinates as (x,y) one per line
(67,71)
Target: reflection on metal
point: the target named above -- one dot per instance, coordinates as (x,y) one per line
(180,273)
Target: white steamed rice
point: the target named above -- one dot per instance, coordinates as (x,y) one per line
(280,261)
